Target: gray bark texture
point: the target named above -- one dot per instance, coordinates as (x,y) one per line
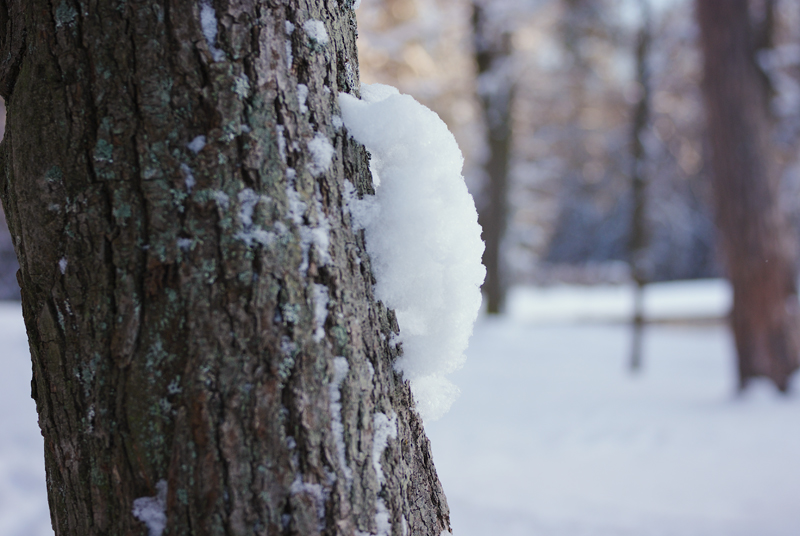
(759,249)
(174,293)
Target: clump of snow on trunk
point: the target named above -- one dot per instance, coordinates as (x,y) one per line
(423,237)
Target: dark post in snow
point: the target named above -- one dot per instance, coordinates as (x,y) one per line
(637,244)
(756,241)
(496,94)
(204,361)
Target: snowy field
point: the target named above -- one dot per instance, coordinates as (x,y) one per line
(551,435)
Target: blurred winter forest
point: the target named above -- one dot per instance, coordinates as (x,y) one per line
(565,76)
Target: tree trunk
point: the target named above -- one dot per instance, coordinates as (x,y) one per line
(208,357)
(496,94)
(638,241)
(756,241)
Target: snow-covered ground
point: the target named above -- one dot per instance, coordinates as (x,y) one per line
(23,498)
(551,435)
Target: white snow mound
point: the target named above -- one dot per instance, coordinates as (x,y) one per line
(423,237)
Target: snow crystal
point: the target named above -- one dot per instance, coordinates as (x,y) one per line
(256,235)
(317,235)
(321,154)
(248,200)
(384,428)
(315,29)
(340,370)
(302,96)
(296,207)
(425,243)
(250,232)
(337,123)
(62,265)
(184,243)
(152,510)
(197,144)
(320,310)
(189,179)
(320,235)
(288,27)
(208,21)
(221,198)
(362,211)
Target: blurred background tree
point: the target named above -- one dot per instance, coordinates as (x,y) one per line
(758,245)
(9,289)
(569,201)
(495,85)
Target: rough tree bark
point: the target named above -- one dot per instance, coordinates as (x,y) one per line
(492,44)
(167,187)
(755,238)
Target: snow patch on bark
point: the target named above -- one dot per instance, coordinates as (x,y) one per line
(382,518)
(152,511)
(320,310)
(384,428)
(340,370)
(197,144)
(316,492)
(208,21)
(315,30)
(302,97)
(316,234)
(188,178)
(252,233)
(423,237)
(281,142)
(321,152)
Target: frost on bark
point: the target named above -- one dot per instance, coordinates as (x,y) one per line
(208,357)
(755,238)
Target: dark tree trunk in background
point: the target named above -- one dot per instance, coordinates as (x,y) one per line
(756,241)
(637,244)
(191,334)
(496,94)
(9,289)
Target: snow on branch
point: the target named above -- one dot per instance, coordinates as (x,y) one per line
(422,235)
